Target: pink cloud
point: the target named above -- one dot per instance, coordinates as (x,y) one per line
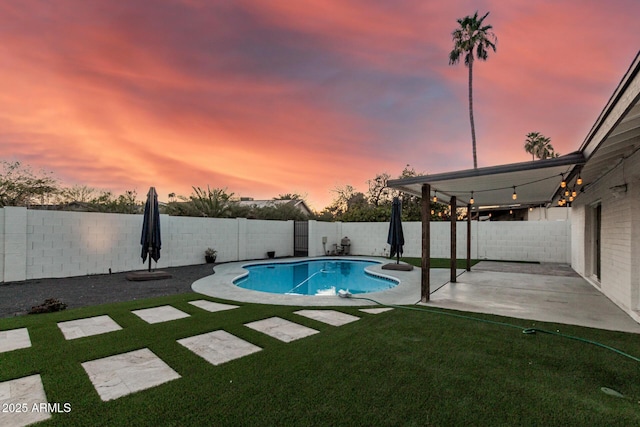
(276,97)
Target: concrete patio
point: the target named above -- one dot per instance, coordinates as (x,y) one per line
(545,292)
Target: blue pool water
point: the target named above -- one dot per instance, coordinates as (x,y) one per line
(314,277)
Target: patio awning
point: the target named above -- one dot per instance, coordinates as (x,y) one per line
(534,182)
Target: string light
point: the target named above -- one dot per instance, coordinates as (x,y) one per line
(571,199)
(579,180)
(435,197)
(566,193)
(471,199)
(574,193)
(563,183)
(514,196)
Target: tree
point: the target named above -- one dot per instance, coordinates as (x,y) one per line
(19,186)
(211,203)
(379,193)
(289,196)
(472,36)
(539,146)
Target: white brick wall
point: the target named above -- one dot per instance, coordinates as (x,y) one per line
(578,238)
(620,233)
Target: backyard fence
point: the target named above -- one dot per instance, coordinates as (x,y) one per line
(37,244)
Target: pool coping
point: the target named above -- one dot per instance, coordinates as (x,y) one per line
(220,285)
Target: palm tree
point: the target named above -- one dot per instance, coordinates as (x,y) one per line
(472,36)
(539,146)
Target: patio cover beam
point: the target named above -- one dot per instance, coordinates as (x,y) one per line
(536,182)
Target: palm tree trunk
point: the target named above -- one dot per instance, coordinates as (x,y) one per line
(473,127)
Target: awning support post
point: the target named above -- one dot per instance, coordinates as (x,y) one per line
(425,283)
(453,206)
(468,237)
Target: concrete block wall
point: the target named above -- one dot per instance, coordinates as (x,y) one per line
(187,238)
(36,244)
(370,238)
(2,243)
(15,243)
(317,230)
(548,241)
(63,244)
(262,236)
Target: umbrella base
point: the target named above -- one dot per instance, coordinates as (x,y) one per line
(399,267)
(140,276)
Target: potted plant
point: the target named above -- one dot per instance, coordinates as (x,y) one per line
(210,255)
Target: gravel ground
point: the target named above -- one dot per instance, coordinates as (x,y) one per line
(17,298)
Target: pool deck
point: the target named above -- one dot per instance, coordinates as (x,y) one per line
(220,285)
(543,292)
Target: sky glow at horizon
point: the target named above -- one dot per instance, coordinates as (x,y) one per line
(267,98)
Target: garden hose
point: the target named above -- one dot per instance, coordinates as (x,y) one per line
(528,331)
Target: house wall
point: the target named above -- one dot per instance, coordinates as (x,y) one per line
(549,214)
(620,234)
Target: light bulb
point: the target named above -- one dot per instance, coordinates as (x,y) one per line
(579,180)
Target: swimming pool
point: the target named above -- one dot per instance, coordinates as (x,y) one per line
(314,277)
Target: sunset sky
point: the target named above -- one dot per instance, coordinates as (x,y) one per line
(270,97)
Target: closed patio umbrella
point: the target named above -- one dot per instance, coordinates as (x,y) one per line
(396,236)
(150,239)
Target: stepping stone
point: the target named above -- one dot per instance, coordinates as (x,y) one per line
(331,317)
(86,327)
(218,347)
(375,310)
(22,393)
(281,329)
(212,306)
(14,340)
(160,314)
(122,374)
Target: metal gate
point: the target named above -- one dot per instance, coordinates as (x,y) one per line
(301,238)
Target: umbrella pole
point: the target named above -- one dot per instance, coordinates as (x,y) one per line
(150,261)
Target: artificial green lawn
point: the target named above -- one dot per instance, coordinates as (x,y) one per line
(403,367)
(439,262)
